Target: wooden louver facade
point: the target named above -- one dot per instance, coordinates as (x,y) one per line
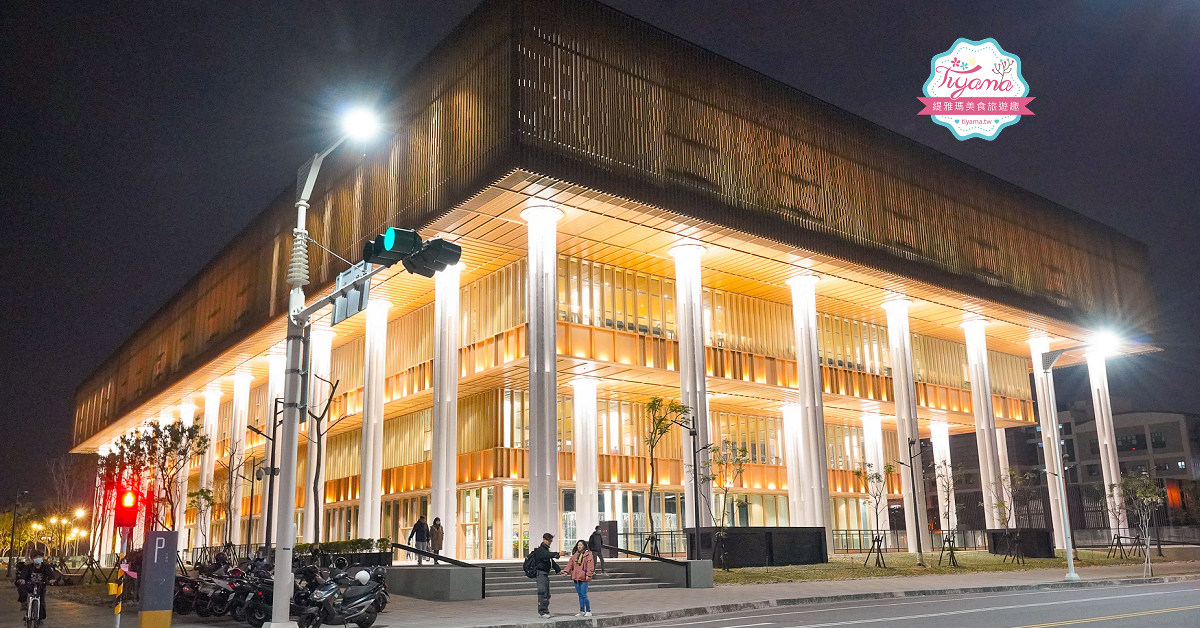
(577,91)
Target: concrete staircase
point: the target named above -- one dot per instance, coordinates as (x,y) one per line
(508,579)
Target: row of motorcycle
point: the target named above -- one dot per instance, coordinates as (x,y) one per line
(321,596)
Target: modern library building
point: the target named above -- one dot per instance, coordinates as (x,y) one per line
(639,218)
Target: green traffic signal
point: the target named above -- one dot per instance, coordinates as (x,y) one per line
(391,246)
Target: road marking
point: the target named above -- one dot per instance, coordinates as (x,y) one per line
(940,599)
(1111,617)
(992,608)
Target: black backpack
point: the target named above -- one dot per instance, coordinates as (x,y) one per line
(529,566)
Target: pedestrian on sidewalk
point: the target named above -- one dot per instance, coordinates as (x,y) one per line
(596,544)
(437,534)
(544,563)
(581,569)
(420,530)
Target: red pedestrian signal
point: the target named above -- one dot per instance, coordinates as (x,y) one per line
(126,514)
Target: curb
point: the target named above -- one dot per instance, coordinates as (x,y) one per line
(658,616)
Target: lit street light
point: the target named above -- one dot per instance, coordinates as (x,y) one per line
(359,125)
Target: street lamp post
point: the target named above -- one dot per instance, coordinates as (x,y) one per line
(912,475)
(12,539)
(691,428)
(270,472)
(1048,360)
(359,125)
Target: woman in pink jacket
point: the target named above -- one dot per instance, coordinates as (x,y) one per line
(581,568)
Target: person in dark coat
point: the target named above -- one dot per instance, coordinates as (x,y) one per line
(437,534)
(596,545)
(544,563)
(36,574)
(421,531)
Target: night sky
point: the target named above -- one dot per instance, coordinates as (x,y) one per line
(138,140)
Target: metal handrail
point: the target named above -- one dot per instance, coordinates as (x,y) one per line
(456,563)
(687,572)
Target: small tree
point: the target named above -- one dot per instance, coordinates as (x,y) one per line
(1014,491)
(947,479)
(875,483)
(203,501)
(1140,498)
(725,467)
(233,463)
(316,442)
(663,415)
(169,448)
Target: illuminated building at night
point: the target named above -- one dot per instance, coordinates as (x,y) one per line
(639,217)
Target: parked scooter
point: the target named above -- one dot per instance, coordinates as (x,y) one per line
(344,600)
(185,595)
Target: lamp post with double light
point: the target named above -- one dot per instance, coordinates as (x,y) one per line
(12,539)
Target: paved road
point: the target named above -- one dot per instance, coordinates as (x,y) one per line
(1149,605)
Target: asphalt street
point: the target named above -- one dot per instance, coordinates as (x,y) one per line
(1175,605)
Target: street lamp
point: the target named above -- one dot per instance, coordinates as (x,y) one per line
(12,539)
(912,481)
(359,125)
(79,512)
(692,431)
(1048,360)
(270,471)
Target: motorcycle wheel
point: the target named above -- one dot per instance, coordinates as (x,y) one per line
(203,609)
(183,605)
(381,602)
(238,612)
(257,615)
(367,619)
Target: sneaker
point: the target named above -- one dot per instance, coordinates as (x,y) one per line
(545,615)
(579,614)
(588,614)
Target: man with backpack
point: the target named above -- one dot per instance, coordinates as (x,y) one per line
(540,564)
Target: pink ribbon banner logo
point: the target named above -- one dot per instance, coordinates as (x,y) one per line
(975,89)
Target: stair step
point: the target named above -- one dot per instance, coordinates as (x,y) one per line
(530,584)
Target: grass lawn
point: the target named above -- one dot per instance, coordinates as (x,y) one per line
(850,566)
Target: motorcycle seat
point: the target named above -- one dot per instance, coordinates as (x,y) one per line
(357,592)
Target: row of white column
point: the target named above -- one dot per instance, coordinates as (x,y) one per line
(804,427)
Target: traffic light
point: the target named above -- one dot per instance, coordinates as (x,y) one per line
(126,513)
(435,255)
(391,246)
(404,245)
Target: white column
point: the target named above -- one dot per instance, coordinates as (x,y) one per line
(1106,437)
(275,363)
(212,413)
(873,455)
(900,340)
(102,544)
(939,435)
(370,481)
(187,415)
(507,536)
(587,491)
(800,511)
(1003,478)
(237,447)
(985,416)
(541,305)
(443,500)
(812,410)
(1048,418)
(320,348)
(693,388)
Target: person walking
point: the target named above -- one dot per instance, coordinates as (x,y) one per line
(596,544)
(420,530)
(581,569)
(544,563)
(437,535)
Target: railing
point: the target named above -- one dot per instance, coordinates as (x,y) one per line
(687,572)
(456,563)
(859,541)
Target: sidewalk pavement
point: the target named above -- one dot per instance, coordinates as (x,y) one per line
(626,607)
